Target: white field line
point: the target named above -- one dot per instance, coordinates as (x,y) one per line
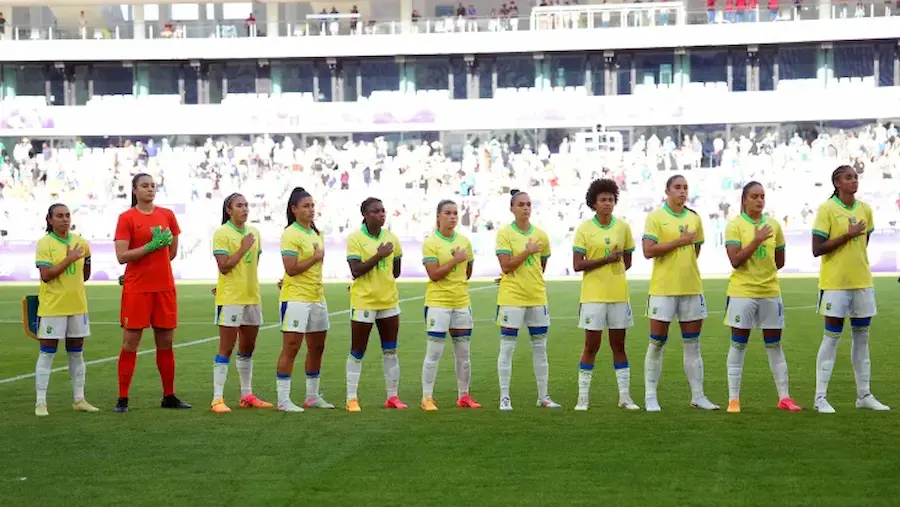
(198,342)
(272,326)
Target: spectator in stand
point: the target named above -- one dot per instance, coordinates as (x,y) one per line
(250,25)
(710,11)
(354,20)
(773,10)
(741,9)
(2,26)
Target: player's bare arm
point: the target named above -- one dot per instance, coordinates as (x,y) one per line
(124,255)
(227,262)
(396,268)
(653,249)
(580,262)
(87,268)
(437,272)
(510,263)
(293,266)
(173,248)
(822,246)
(738,256)
(49,273)
(359,268)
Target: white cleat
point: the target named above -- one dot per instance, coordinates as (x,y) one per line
(628,404)
(582,405)
(505,405)
(869,402)
(703,403)
(823,407)
(548,403)
(289,406)
(317,402)
(40,410)
(652,405)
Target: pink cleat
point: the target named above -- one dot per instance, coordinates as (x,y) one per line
(251,401)
(394,402)
(789,405)
(466,401)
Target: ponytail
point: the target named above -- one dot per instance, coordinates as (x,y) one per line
(745,191)
(297,195)
(134,182)
(50,214)
(226,206)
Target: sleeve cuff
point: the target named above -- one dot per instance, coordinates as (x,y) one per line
(354,258)
(220,252)
(426,260)
(698,243)
(578,249)
(503,252)
(43,264)
(821,234)
(545,257)
(288,253)
(779,247)
(629,250)
(732,243)
(650,237)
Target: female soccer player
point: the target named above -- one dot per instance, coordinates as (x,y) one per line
(303,309)
(523,250)
(64,261)
(374,254)
(236,248)
(672,237)
(602,250)
(447,304)
(146,242)
(841,233)
(755,246)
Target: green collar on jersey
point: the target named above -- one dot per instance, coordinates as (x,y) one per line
(365,231)
(239,231)
(451,239)
(520,231)
(61,240)
(841,203)
(746,217)
(676,215)
(304,229)
(612,221)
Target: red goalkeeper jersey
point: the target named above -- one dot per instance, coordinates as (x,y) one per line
(153,272)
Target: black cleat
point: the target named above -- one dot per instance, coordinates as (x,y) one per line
(121,405)
(172,401)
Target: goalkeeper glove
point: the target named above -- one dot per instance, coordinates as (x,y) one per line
(160,239)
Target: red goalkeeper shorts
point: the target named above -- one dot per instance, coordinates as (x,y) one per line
(141,310)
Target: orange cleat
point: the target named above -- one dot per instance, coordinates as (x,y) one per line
(789,405)
(251,401)
(734,406)
(428,404)
(394,402)
(219,407)
(466,401)
(353,405)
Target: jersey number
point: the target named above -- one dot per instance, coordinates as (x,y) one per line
(247,257)
(382,264)
(760,253)
(71,268)
(529,261)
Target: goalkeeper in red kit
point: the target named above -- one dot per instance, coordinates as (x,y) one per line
(146,242)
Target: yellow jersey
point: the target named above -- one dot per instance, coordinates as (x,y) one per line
(605,284)
(65,294)
(758,276)
(241,285)
(307,287)
(676,273)
(524,286)
(847,267)
(377,289)
(453,290)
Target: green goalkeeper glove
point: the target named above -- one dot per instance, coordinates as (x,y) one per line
(161,238)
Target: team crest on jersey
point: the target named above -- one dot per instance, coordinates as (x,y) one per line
(681,228)
(607,240)
(852,219)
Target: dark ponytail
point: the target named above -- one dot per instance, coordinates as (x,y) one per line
(836,175)
(513,194)
(297,195)
(134,182)
(50,214)
(745,191)
(365,204)
(669,183)
(226,206)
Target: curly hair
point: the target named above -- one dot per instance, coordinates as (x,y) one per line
(601,186)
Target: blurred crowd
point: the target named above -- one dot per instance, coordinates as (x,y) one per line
(411,177)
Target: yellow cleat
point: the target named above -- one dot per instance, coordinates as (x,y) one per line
(353,405)
(219,407)
(40,410)
(734,406)
(83,406)
(428,404)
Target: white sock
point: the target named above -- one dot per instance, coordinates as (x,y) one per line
(693,367)
(77,373)
(653,367)
(504,364)
(825,362)
(390,363)
(584,382)
(42,375)
(778,365)
(541,365)
(220,374)
(354,370)
(463,365)
(244,365)
(735,366)
(623,381)
(312,385)
(859,356)
(434,349)
(283,387)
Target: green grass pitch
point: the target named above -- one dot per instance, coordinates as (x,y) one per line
(453,457)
